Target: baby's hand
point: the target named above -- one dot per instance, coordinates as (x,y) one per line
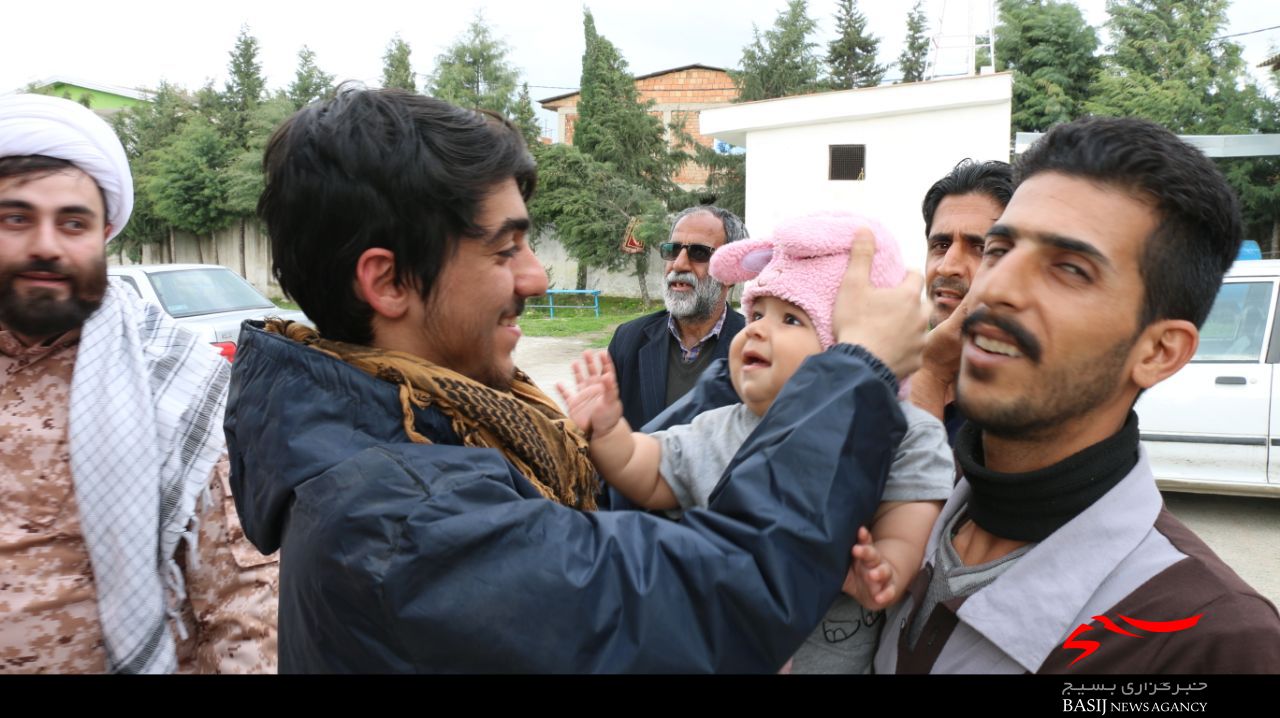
(870,578)
(594,405)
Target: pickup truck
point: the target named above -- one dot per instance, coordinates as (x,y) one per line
(1214,427)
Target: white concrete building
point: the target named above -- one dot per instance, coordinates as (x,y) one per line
(874,150)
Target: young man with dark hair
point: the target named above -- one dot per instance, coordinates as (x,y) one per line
(1055,553)
(659,357)
(435,508)
(958,210)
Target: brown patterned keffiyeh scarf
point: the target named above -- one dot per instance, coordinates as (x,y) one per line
(523,423)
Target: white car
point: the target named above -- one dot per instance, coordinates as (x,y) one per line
(207,298)
(1211,427)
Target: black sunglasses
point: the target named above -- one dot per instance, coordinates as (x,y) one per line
(699,253)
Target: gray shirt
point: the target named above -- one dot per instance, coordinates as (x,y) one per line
(695,456)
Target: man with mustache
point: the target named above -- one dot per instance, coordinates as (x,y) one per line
(1055,553)
(958,210)
(659,357)
(119,546)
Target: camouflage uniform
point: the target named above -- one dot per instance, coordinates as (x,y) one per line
(48,605)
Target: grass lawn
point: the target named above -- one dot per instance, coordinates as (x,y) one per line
(571,322)
(568,322)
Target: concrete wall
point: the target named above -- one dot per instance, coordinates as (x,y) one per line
(563,272)
(222,248)
(787,167)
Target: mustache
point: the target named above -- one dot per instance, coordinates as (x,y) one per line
(954,284)
(1027,344)
(516,308)
(48,266)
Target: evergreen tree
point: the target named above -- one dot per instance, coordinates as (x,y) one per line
(1164,64)
(526,118)
(244,181)
(726,179)
(782,61)
(915,54)
(187,187)
(143,129)
(1161,64)
(1052,53)
(244,89)
(396,71)
(852,55)
(618,169)
(474,72)
(726,184)
(589,207)
(310,83)
(613,126)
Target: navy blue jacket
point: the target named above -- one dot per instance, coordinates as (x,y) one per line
(400,557)
(640,350)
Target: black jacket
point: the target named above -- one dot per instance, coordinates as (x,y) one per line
(401,557)
(639,350)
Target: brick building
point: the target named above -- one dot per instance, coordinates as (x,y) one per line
(686,91)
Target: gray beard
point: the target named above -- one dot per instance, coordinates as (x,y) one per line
(694,306)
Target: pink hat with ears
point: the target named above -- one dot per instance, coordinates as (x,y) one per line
(803,263)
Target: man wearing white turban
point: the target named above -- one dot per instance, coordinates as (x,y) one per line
(111,449)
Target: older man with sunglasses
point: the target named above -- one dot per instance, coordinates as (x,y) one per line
(659,357)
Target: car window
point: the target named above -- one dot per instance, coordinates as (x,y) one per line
(189,292)
(1236,327)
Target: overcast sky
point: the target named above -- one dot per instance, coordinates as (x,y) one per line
(134,43)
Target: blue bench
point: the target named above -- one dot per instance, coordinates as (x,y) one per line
(553,293)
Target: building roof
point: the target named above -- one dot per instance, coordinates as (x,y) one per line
(732,123)
(132,93)
(682,68)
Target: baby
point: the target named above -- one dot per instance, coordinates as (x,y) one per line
(788,306)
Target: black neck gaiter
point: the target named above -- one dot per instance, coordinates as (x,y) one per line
(1032,505)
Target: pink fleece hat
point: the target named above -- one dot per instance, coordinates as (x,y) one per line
(804,262)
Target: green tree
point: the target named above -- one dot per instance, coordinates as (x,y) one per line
(915,53)
(851,57)
(619,168)
(474,72)
(187,186)
(244,181)
(241,173)
(396,71)
(143,129)
(244,90)
(1164,64)
(1052,52)
(310,83)
(526,118)
(613,126)
(782,61)
(590,207)
(726,179)
(726,184)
